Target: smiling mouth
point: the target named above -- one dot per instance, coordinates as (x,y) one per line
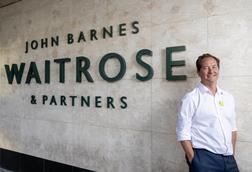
(212,77)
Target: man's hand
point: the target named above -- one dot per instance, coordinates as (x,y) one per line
(187,146)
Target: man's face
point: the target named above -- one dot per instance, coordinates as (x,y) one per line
(209,71)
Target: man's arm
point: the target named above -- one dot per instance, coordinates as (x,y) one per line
(184,124)
(187,146)
(234,138)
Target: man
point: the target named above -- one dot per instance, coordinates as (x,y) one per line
(206,124)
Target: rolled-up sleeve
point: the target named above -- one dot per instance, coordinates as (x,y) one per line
(184,120)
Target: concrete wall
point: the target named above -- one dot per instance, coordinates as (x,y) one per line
(140,138)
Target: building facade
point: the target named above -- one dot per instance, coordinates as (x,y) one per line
(97,84)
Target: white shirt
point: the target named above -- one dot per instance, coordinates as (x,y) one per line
(207,120)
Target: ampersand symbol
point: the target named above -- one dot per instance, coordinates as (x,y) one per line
(33,100)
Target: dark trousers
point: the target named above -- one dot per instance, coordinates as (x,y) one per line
(205,161)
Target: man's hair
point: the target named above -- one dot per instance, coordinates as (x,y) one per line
(203,56)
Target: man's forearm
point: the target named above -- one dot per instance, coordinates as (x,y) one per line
(234,138)
(187,146)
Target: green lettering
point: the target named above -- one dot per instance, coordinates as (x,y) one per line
(85,101)
(61,63)
(53,101)
(14,72)
(73,99)
(47,71)
(83,69)
(123,101)
(122,29)
(33,73)
(98,101)
(102,67)
(107,32)
(110,101)
(170,63)
(81,37)
(93,35)
(70,39)
(135,27)
(63,100)
(44,43)
(55,41)
(145,65)
(44,99)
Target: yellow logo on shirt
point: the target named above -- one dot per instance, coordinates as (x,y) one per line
(221,103)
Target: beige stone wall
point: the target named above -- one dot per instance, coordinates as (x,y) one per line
(140,138)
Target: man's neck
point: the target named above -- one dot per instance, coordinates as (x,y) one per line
(211,86)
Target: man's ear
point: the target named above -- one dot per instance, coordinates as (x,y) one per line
(198,73)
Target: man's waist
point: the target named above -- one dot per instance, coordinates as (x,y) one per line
(213,144)
(218,150)
(210,152)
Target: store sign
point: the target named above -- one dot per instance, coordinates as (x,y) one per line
(15,72)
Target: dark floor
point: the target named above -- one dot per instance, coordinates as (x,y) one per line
(4,170)
(16,162)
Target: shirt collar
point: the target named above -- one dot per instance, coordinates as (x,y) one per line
(204,89)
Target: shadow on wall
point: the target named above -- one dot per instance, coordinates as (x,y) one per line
(16,162)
